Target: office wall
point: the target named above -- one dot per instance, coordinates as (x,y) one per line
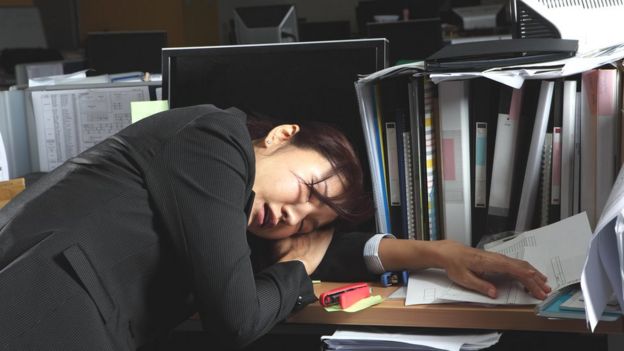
(187,22)
(16,2)
(311,10)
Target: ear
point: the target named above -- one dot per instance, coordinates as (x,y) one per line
(280,135)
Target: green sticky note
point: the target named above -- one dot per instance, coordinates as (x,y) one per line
(358,306)
(142,109)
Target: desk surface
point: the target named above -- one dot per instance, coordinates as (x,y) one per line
(393,312)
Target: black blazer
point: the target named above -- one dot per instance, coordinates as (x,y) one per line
(128,239)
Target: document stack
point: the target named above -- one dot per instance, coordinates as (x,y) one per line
(373,340)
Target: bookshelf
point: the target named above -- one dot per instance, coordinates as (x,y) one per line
(519,154)
(478,139)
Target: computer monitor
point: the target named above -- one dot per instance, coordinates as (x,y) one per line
(118,52)
(266,24)
(409,40)
(293,81)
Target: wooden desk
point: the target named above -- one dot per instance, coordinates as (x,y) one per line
(394,313)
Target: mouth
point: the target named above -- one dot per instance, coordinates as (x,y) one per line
(266,217)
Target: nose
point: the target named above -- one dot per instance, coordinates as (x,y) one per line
(293,214)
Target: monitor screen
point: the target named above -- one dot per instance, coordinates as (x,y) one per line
(119,52)
(291,81)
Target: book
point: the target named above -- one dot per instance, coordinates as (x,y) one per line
(530,183)
(483,114)
(455,156)
(431,158)
(555,156)
(545,182)
(606,114)
(499,210)
(568,132)
(393,163)
(406,174)
(392,106)
(598,147)
(568,303)
(416,108)
(576,206)
(368,112)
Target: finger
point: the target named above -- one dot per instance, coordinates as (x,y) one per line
(473,282)
(520,270)
(536,286)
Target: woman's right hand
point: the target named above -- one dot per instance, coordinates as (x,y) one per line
(468,267)
(308,248)
(464,265)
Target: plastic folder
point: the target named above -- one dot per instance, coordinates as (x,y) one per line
(482,55)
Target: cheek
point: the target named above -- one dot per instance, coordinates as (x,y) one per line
(284,189)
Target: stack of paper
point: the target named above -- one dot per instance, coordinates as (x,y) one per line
(557,250)
(603,273)
(359,340)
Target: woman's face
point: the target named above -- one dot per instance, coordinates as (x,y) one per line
(283,205)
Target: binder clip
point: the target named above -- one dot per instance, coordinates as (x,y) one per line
(345,296)
(393,278)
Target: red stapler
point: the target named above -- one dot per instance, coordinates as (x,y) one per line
(345,296)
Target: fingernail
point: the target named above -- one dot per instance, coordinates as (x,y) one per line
(492,293)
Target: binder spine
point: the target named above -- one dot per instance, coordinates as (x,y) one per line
(430,143)
(365,94)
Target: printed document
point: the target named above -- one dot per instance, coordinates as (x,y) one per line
(557,250)
(603,272)
(71,121)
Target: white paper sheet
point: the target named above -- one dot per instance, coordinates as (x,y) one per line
(71,121)
(604,268)
(399,341)
(79,77)
(557,250)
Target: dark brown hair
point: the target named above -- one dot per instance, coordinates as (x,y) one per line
(353,205)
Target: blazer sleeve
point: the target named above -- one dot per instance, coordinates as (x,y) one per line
(344,259)
(209,171)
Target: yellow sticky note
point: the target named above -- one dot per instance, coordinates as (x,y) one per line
(142,109)
(358,306)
